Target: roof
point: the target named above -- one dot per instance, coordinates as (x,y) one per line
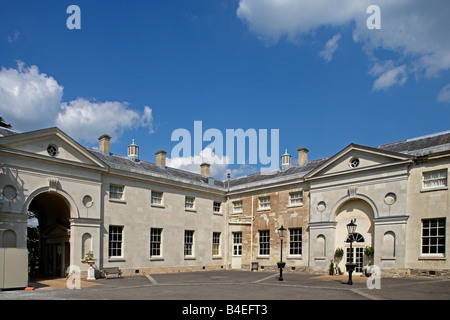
(437,142)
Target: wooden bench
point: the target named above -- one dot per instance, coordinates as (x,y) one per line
(111,270)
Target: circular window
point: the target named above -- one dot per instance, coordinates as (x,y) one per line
(52,150)
(87,201)
(321,206)
(354,163)
(390,198)
(9,192)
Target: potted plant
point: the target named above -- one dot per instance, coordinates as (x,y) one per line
(338,254)
(281,264)
(368,252)
(89,259)
(350,266)
(331,270)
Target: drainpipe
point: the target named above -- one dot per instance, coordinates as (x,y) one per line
(228,219)
(251,238)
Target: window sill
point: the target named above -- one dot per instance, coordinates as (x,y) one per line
(294,257)
(217,257)
(189,258)
(266,257)
(218,213)
(434,189)
(190,210)
(295,205)
(433,257)
(160,206)
(156,259)
(118,201)
(262,209)
(118,259)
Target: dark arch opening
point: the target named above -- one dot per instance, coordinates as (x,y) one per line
(49,235)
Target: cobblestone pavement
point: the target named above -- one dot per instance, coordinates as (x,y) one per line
(236,286)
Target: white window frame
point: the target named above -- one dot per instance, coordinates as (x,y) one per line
(237,206)
(216,252)
(189,244)
(217,209)
(264,247)
(114,243)
(237,244)
(188,205)
(435,180)
(439,237)
(156,243)
(264,203)
(154,196)
(295,237)
(296,200)
(116,192)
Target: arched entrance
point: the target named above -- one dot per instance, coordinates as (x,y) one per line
(363,213)
(53,225)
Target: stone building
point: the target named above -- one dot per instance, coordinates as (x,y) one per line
(145,217)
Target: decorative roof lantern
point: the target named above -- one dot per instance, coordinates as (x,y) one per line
(285,161)
(133,151)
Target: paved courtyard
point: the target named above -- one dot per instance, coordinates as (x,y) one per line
(236,285)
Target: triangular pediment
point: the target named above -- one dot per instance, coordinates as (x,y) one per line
(51,144)
(357,158)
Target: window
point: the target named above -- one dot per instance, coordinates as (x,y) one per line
(435,179)
(354,163)
(264,203)
(52,150)
(237,206)
(237,244)
(188,243)
(217,206)
(264,242)
(155,242)
(295,241)
(189,203)
(296,198)
(157,198)
(216,244)
(433,236)
(115,241)
(115,192)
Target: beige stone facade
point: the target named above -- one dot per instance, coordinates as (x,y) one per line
(144,217)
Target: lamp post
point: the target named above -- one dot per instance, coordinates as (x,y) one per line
(281,234)
(351,228)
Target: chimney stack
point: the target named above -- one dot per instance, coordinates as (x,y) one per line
(104,142)
(161,158)
(205,169)
(133,151)
(302,156)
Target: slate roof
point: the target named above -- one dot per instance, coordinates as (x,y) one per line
(438,142)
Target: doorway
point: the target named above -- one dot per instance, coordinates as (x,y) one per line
(50,233)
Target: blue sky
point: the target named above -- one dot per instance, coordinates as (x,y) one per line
(143,69)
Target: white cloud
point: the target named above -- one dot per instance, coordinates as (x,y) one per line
(416,30)
(31,100)
(330,47)
(218,164)
(88,120)
(388,75)
(444,94)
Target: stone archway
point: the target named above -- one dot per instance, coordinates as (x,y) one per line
(53,214)
(363,213)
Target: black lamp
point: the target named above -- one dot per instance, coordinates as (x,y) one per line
(281,234)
